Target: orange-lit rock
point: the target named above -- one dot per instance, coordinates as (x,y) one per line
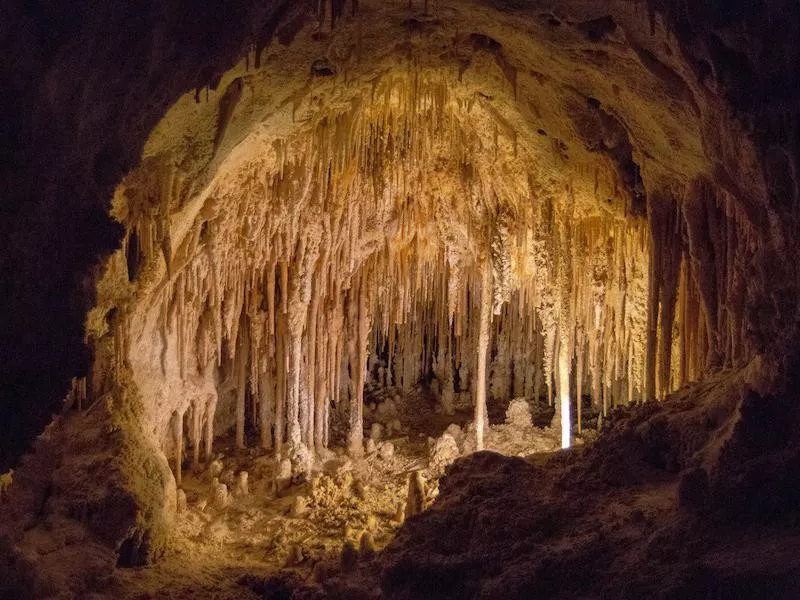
(493,200)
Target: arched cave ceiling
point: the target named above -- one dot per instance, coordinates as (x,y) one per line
(340,144)
(163,160)
(580,95)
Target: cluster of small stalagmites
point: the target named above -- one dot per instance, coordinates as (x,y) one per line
(342,507)
(385,413)
(342,243)
(224,487)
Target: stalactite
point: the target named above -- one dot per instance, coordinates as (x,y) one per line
(344,244)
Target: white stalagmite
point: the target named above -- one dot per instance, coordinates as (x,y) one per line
(485,318)
(563,394)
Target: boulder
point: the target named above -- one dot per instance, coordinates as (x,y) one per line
(444,452)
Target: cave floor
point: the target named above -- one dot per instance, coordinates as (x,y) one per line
(300,530)
(266,533)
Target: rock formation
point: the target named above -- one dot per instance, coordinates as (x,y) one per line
(492,199)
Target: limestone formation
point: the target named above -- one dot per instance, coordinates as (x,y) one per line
(386,451)
(181,501)
(447,401)
(360,490)
(220,498)
(300,458)
(235,226)
(299,507)
(456,433)
(518,413)
(215,469)
(228,477)
(366,546)
(242,486)
(443,453)
(416,495)
(283,474)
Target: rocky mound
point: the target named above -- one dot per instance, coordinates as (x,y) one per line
(691,498)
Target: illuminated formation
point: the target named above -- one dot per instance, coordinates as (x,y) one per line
(351,251)
(411,220)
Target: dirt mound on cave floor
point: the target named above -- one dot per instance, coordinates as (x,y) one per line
(696,497)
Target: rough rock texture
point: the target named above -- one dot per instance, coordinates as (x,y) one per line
(583,524)
(78,105)
(613,188)
(443,452)
(279,223)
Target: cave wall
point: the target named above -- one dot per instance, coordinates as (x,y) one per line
(69,138)
(616,123)
(87,84)
(712,165)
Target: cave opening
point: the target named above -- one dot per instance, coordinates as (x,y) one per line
(385,240)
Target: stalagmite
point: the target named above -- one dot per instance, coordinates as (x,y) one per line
(241,390)
(211,406)
(416,494)
(563,394)
(266,410)
(579,363)
(293,434)
(359,318)
(485,317)
(196,434)
(177,432)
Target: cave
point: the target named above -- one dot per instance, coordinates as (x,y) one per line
(426,299)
